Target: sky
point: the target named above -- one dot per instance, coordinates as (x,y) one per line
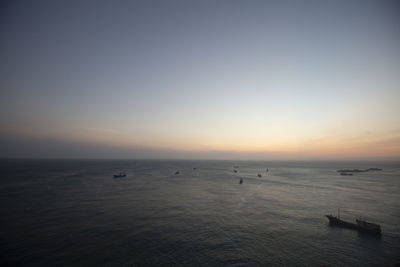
(200,79)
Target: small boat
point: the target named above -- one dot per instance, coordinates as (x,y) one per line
(259,175)
(358,170)
(177,172)
(346,174)
(235,171)
(351,170)
(241,181)
(374,169)
(360,225)
(194,168)
(120,175)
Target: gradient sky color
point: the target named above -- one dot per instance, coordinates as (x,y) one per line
(200,79)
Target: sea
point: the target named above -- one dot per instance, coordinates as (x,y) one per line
(74,213)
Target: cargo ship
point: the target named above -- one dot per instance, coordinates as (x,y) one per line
(360,225)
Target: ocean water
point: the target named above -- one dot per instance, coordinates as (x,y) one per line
(73,213)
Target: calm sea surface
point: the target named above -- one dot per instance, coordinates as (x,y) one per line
(73,213)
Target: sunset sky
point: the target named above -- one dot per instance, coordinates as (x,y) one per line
(200,79)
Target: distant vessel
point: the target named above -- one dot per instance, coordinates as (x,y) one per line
(259,175)
(177,172)
(358,170)
(346,174)
(235,171)
(374,169)
(360,225)
(120,175)
(241,181)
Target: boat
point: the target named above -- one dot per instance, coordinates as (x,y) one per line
(358,170)
(120,175)
(177,172)
(235,171)
(346,174)
(374,169)
(259,175)
(360,225)
(241,181)
(351,170)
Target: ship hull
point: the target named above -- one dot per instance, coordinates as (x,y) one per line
(334,221)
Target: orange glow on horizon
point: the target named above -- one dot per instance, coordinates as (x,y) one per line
(337,146)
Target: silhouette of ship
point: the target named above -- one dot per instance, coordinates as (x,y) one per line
(120,175)
(360,225)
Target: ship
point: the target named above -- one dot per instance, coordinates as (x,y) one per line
(120,175)
(360,225)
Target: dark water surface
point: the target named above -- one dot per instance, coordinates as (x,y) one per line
(73,213)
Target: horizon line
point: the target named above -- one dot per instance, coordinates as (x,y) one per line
(205,159)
